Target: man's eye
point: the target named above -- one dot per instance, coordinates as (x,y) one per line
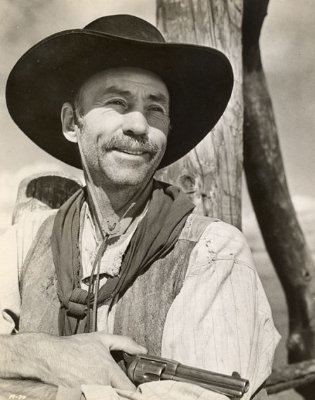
(117,103)
(157,108)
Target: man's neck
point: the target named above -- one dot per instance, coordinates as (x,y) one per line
(113,209)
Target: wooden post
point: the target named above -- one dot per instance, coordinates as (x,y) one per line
(211,173)
(269,192)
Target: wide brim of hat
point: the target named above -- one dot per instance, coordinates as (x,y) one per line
(199,80)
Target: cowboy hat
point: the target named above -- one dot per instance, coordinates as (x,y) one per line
(199,80)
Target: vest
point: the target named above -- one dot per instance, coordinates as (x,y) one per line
(140,312)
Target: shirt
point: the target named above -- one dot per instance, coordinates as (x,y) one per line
(220,277)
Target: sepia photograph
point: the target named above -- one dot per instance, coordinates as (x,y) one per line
(157,202)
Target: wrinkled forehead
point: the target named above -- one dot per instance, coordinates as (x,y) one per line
(124,79)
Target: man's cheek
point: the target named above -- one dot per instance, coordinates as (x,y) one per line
(163,145)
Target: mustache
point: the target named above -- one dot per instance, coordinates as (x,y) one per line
(126,143)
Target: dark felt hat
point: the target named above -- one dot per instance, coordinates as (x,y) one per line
(199,80)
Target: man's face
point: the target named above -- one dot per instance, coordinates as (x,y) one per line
(124,125)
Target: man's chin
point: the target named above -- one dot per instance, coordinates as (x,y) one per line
(124,174)
(122,177)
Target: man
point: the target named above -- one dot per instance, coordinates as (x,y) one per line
(125,256)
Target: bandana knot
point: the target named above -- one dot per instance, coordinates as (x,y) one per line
(77,304)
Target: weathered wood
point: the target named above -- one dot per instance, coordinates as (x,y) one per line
(43,191)
(269,192)
(211,173)
(291,376)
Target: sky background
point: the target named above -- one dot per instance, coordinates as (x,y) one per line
(288,54)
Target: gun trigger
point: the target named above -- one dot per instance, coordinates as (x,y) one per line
(128,357)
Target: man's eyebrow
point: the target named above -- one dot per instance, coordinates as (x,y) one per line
(159,98)
(116,89)
(110,90)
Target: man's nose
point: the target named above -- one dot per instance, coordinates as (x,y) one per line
(135,123)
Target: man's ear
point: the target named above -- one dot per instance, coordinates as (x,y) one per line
(69,128)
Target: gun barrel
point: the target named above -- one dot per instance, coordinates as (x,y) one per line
(225,384)
(146,368)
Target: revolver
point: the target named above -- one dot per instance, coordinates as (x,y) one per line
(147,368)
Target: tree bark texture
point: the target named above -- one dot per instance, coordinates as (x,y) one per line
(292,376)
(211,173)
(269,192)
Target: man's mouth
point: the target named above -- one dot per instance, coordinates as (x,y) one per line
(133,152)
(131,147)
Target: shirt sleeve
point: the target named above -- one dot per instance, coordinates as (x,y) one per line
(14,245)
(221,319)
(9,284)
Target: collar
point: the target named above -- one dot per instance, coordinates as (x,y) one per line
(117,243)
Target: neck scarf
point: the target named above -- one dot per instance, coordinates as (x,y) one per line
(154,237)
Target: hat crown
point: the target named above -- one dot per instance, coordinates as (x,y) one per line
(126,26)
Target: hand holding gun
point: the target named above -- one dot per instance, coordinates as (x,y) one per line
(146,368)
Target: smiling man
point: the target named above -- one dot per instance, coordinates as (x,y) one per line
(125,126)
(124,264)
